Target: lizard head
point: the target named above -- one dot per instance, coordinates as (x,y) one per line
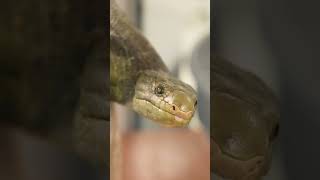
(164,99)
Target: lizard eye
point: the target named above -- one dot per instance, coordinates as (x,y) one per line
(159,90)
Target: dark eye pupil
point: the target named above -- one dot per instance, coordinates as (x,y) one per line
(159,90)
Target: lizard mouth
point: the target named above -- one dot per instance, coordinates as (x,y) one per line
(164,116)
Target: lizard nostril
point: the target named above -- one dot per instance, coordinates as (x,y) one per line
(174,108)
(195,104)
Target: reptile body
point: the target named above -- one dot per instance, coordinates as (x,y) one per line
(245,122)
(140,79)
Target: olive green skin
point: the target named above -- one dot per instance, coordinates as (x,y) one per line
(244,124)
(130,54)
(140,79)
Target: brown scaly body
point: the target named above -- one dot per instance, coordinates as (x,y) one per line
(244,123)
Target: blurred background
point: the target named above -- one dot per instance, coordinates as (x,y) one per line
(41,74)
(239,38)
(279,41)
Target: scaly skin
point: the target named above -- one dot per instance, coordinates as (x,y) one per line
(140,79)
(245,122)
(164,99)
